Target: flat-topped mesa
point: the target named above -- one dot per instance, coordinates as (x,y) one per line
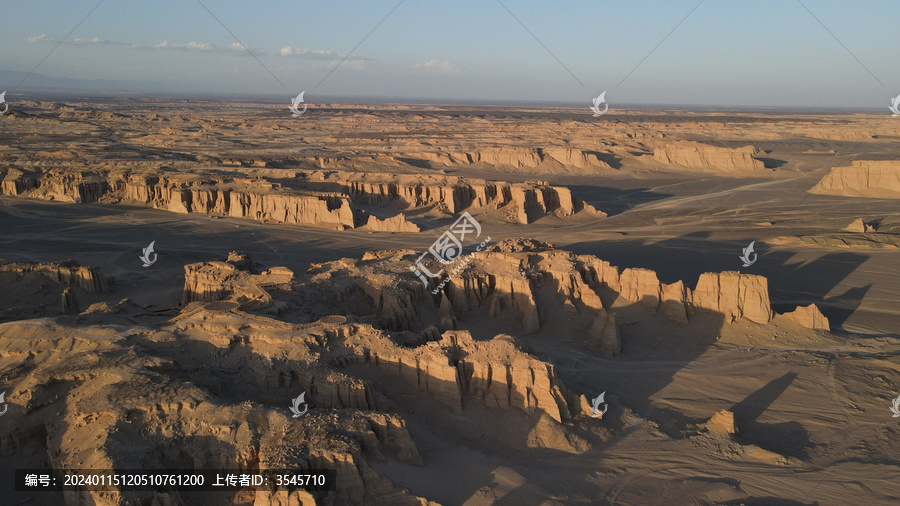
(261,202)
(516,157)
(256,200)
(694,155)
(66,272)
(527,201)
(863,178)
(232,279)
(315,198)
(56,185)
(734,294)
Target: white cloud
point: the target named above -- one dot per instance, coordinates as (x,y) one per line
(234,48)
(77,41)
(438,67)
(201,47)
(309,53)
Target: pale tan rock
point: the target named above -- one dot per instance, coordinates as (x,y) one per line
(735,295)
(396,223)
(860,226)
(722,423)
(810,317)
(67,272)
(640,285)
(703,156)
(863,178)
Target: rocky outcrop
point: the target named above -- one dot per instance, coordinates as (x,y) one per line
(863,178)
(605,333)
(429,368)
(722,423)
(208,197)
(860,226)
(69,303)
(66,272)
(496,373)
(313,198)
(529,285)
(232,280)
(502,376)
(208,281)
(810,317)
(735,295)
(525,202)
(694,155)
(396,223)
(516,157)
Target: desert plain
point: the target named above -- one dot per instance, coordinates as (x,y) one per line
(288,257)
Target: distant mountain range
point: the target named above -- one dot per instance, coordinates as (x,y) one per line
(9,80)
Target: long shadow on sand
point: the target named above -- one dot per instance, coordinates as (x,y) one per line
(787,438)
(615,201)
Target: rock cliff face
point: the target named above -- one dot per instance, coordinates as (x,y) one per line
(810,317)
(396,223)
(232,280)
(735,295)
(496,373)
(124,410)
(702,156)
(331,211)
(864,178)
(515,157)
(312,198)
(528,285)
(526,201)
(67,272)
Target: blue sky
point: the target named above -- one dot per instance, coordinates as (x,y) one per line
(728,52)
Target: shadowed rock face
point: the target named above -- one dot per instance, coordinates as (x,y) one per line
(67,272)
(864,178)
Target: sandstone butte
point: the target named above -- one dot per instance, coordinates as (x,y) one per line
(863,178)
(316,198)
(696,155)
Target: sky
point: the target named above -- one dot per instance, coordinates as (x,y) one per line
(775,53)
